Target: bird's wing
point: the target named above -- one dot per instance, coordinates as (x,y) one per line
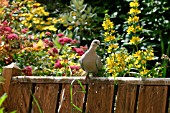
(99,63)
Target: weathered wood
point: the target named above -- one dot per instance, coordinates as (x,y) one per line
(7,73)
(97,80)
(19,97)
(65,105)
(152,99)
(46,95)
(100,98)
(126,99)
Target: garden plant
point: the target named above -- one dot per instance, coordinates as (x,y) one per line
(44,42)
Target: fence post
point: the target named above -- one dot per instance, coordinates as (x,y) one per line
(7,73)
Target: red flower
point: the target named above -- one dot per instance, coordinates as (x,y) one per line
(58,64)
(79,51)
(8,29)
(64,40)
(48,43)
(75,67)
(60,35)
(74,41)
(53,51)
(24,30)
(12,36)
(27,71)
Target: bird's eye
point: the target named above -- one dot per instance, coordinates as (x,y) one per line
(96,42)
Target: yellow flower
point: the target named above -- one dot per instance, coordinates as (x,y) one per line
(106,33)
(143,61)
(111,47)
(138,55)
(135,40)
(134,4)
(54,21)
(29,17)
(51,28)
(131,29)
(107,24)
(70,27)
(133,19)
(138,28)
(144,72)
(134,11)
(109,38)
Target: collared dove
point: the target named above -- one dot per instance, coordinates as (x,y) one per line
(90,62)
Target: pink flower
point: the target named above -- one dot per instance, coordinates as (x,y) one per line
(24,30)
(27,71)
(12,36)
(74,41)
(47,33)
(8,29)
(75,67)
(84,48)
(5,23)
(53,51)
(58,64)
(60,35)
(64,40)
(79,51)
(48,43)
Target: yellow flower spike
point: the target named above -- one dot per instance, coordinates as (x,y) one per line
(134,11)
(135,40)
(134,4)
(109,38)
(131,29)
(107,24)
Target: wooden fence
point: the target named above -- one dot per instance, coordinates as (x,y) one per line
(97,95)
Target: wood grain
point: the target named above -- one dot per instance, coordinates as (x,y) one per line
(19,97)
(65,101)
(126,98)
(46,96)
(96,80)
(100,98)
(152,99)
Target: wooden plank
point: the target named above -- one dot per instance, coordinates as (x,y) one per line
(100,98)
(152,99)
(99,80)
(126,98)
(19,97)
(65,105)
(46,95)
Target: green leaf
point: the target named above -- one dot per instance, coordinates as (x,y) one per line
(2,98)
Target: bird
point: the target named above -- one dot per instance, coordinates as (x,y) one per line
(90,61)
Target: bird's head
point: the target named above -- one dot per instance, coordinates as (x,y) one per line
(95,43)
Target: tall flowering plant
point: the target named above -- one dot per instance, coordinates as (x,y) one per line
(122,62)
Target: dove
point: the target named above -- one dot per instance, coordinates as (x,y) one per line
(90,62)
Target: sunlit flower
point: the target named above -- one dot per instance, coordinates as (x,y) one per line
(134,4)
(131,29)
(133,19)
(12,36)
(134,11)
(109,38)
(135,40)
(107,24)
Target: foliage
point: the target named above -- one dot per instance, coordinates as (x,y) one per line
(36,53)
(33,15)
(81,21)
(120,61)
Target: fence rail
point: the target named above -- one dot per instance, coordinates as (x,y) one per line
(32,94)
